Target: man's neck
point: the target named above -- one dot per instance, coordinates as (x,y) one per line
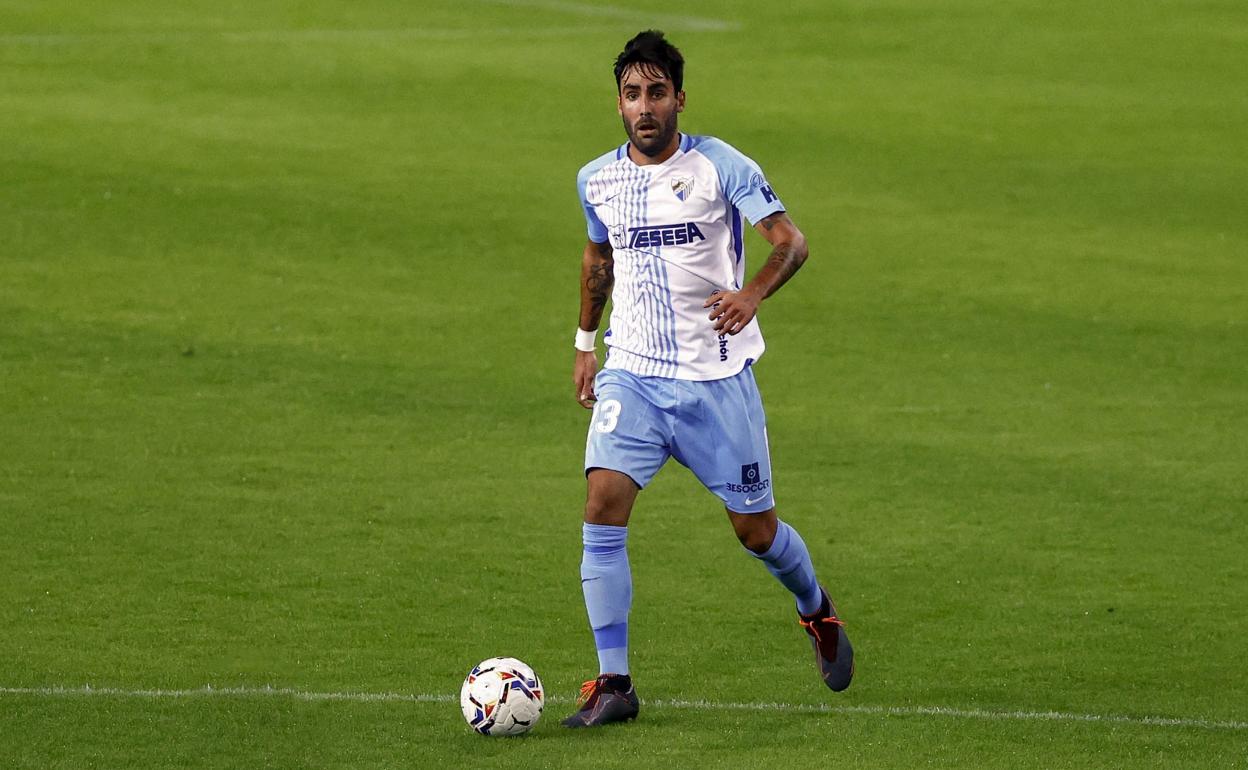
(642,159)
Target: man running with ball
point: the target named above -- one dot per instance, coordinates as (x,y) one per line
(665,213)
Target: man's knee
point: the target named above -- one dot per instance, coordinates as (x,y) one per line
(610,497)
(756,531)
(602,510)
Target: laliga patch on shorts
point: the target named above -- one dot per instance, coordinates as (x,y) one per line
(750,482)
(749,473)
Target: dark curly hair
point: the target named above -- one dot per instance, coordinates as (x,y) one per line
(654,56)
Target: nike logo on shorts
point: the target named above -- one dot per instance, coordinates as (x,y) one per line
(758,499)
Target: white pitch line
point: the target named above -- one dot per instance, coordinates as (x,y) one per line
(1052,716)
(671,21)
(601,12)
(695,705)
(226,692)
(173,37)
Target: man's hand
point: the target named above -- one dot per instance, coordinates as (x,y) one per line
(583,371)
(732,311)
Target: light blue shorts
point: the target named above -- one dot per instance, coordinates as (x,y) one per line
(714,428)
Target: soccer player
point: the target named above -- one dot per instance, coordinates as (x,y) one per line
(664,212)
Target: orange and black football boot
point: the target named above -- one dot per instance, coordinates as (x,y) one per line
(609,698)
(834,655)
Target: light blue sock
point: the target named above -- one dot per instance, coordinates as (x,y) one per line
(789,561)
(608,586)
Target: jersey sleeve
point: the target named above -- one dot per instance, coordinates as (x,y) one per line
(741,180)
(594,226)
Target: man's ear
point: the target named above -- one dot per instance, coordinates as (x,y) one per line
(680,101)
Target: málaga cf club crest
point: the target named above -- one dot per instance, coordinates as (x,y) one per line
(682,186)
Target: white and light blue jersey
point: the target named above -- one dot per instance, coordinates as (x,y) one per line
(676,231)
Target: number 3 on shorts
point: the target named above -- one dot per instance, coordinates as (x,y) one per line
(607,414)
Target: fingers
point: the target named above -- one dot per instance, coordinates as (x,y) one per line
(732,321)
(731,311)
(719,308)
(724,316)
(584,392)
(583,379)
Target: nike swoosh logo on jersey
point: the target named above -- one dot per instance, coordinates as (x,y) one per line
(759,499)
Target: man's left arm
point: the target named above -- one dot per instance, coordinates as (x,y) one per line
(732,311)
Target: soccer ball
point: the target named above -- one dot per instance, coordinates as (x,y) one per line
(501,696)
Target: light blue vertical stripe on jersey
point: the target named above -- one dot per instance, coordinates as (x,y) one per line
(662,301)
(659,272)
(639,266)
(655,263)
(670,363)
(668,321)
(637,303)
(627,307)
(644,303)
(626,208)
(661,297)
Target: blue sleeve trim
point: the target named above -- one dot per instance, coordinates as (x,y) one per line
(738,247)
(740,178)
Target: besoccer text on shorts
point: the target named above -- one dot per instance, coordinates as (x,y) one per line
(665,214)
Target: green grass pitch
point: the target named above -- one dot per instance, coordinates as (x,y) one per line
(287,292)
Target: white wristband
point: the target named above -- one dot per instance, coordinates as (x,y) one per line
(585,340)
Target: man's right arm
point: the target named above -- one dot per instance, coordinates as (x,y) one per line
(597,278)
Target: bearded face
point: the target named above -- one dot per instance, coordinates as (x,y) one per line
(649,105)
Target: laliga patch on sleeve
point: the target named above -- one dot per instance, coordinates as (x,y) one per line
(760,184)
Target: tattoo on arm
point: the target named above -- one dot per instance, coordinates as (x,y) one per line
(784,261)
(787,254)
(597,279)
(599,282)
